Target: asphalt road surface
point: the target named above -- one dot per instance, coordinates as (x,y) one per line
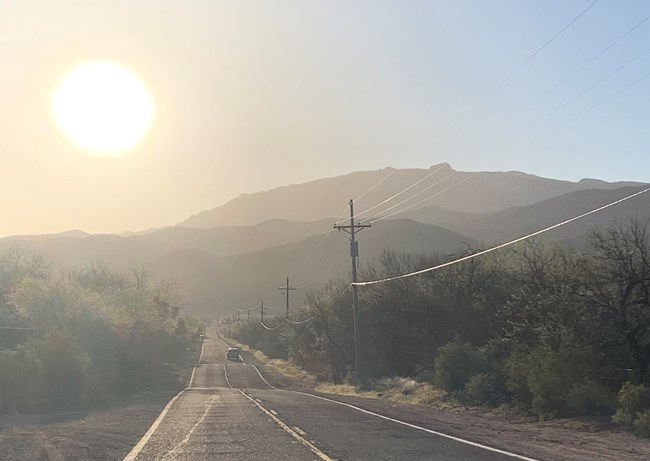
(230,412)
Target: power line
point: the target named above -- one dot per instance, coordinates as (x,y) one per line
(600,81)
(400,192)
(381,218)
(530,58)
(608,98)
(607,48)
(419,193)
(392,172)
(503,245)
(311,255)
(269,328)
(326,270)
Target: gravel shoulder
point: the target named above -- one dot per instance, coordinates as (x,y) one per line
(101,434)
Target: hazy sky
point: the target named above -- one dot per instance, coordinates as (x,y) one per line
(256,94)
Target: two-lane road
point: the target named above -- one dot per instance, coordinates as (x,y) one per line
(230,412)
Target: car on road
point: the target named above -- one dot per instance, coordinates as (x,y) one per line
(233,354)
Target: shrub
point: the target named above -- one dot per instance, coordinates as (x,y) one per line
(623,418)
(543,379)
(633,398)
(642,424)
(591,398)
(485,389)
(456,364)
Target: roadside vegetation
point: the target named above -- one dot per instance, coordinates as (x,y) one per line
(71,340)
(552,331)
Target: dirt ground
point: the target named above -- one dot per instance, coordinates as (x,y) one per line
(102,434)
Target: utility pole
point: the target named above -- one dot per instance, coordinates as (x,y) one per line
(248,312)
(262,312)
(352,229)
(287,289)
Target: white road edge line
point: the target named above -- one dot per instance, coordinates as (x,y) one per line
(413,426)
(258,372)
(145,438)
(291,432)
(225,372)
(200,357)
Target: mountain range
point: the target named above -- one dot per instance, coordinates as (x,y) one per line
(237,254)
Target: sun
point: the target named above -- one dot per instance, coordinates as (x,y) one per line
(102,107)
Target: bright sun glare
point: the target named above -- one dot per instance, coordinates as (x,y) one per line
(102,107)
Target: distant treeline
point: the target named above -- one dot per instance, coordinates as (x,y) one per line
(92,335)
(549,329)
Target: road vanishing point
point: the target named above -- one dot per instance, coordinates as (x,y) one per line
(231,412)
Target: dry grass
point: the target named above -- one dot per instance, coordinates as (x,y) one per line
(286,367)
(402,390)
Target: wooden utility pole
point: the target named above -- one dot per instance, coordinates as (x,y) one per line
(287,289)
(262,312)
(352,229)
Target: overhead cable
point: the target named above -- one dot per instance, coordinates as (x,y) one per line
(607,48)
(539,50)
(419,193)
(600,81)
(643,77)
(381,218)
(503,245)
(300,322)
(398,193)
(328,268)
(311,255)
(269,328)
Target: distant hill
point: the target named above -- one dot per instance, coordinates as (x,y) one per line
(219,285)
(240,253)
(517,221)
(228,240)
(483,192)
(76,248)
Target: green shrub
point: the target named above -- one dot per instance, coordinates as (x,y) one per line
(485,389)
(642,424)
(591,398)
(456,363)
(633,398)
(623,418)
(543,379)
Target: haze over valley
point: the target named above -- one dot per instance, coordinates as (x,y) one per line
(236,254)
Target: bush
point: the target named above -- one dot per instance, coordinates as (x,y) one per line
(623,418)
(456,364)
(642,424)
(634,411)
(485,389)
(633,398)
(543,379)
(591,398)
